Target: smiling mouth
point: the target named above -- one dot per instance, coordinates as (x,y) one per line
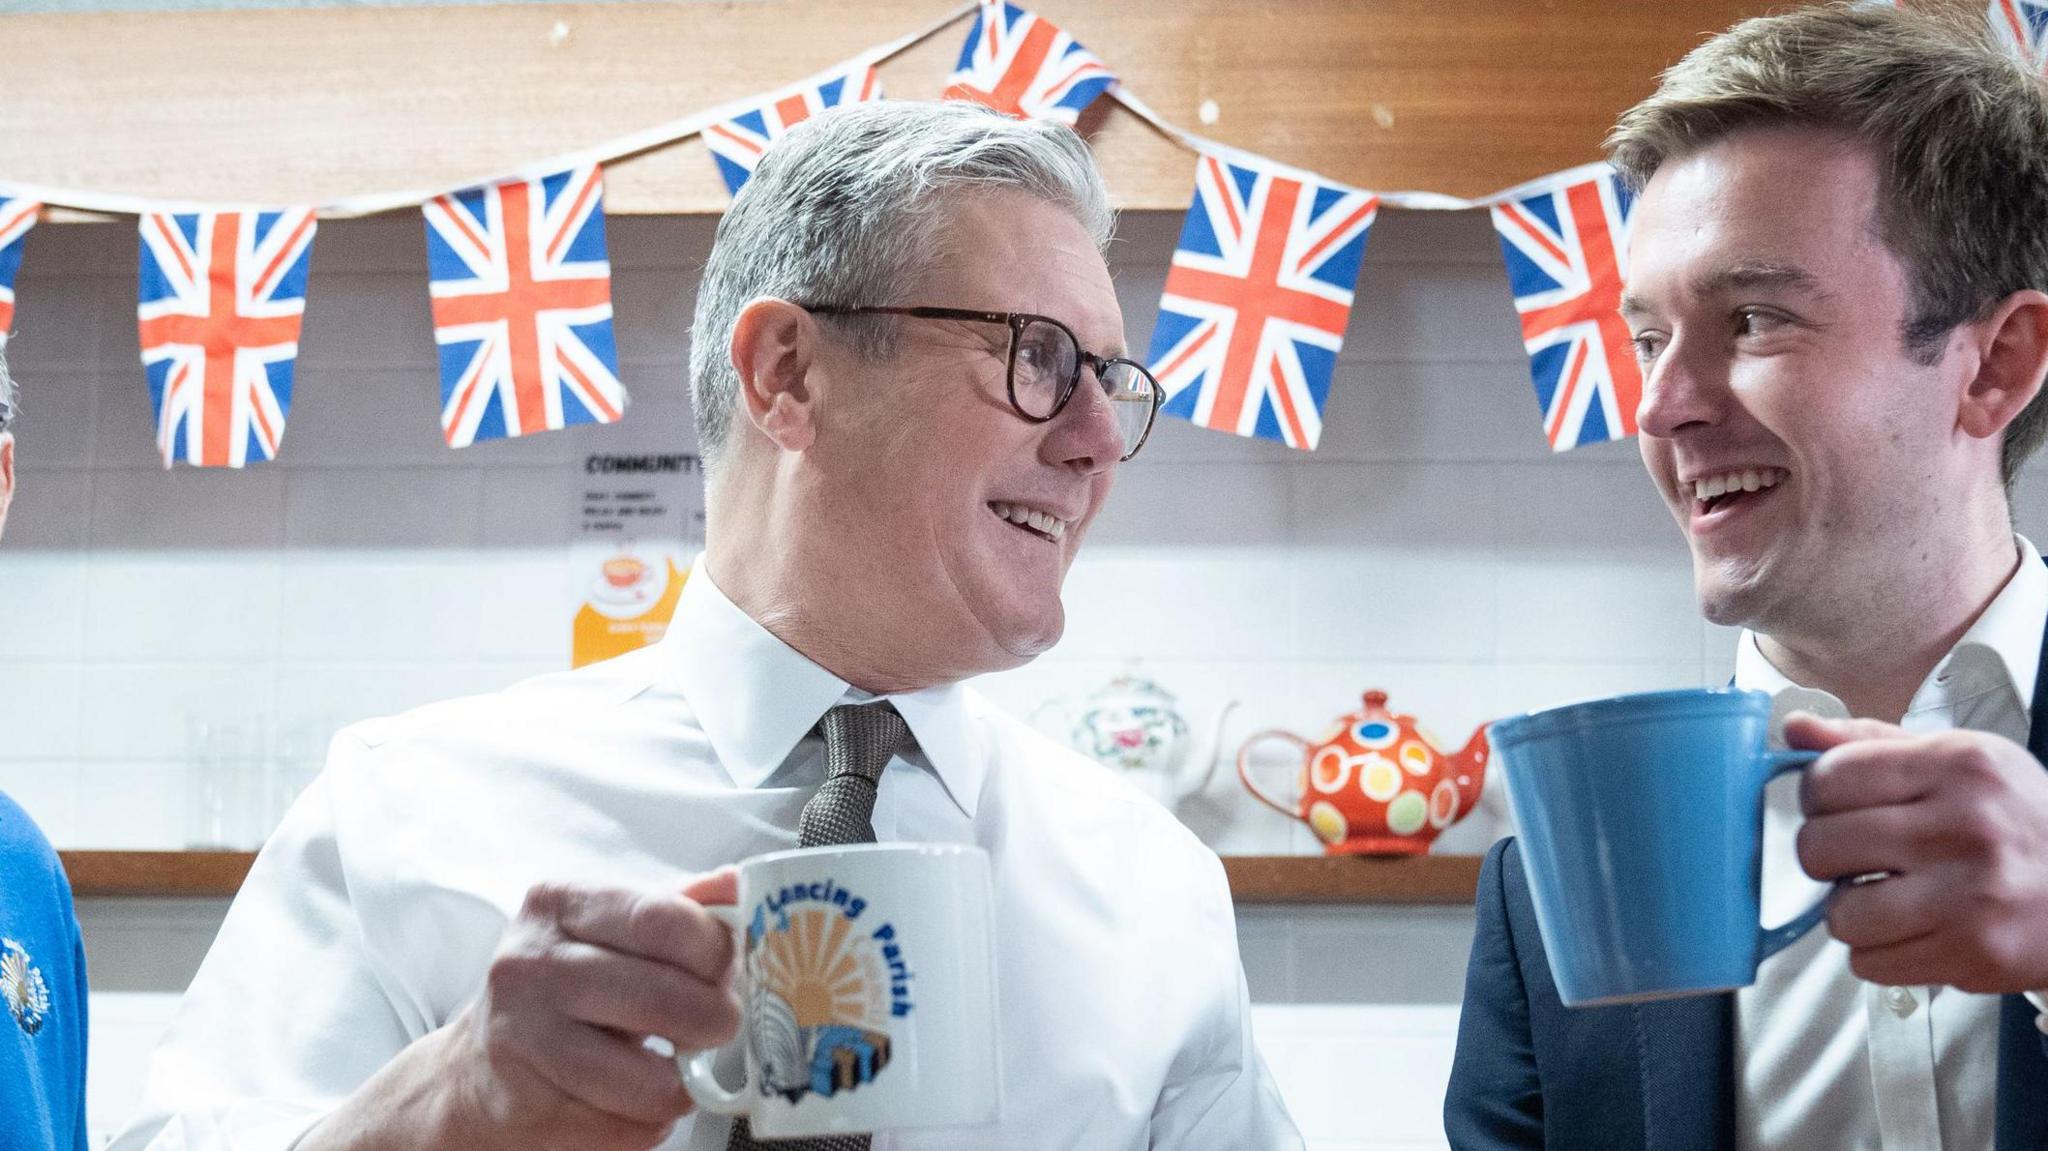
(1731,489)
(1034,521)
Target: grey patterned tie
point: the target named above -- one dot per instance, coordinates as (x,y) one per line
(859,740)
(858,743)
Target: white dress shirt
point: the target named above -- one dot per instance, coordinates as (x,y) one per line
(370,918)
(1823,1058)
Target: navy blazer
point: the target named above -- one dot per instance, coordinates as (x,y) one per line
(1533,1073)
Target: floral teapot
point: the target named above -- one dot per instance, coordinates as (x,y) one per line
(1134,727)
(1377,784)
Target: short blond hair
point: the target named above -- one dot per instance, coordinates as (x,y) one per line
(1958,127)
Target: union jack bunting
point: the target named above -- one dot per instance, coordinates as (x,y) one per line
(1565,249)
(220,301)
(1022,65)
(523,308)
(739,143)
(2022,27)
(16,218)
(1257,299)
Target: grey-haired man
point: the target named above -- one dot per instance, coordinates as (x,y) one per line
(911,397)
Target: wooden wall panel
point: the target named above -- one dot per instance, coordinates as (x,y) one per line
(277,106)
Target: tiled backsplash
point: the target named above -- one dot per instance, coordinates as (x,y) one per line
(1433,546)
(1351,1075)
(1355,1010)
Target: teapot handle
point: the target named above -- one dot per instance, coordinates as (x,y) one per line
(1244,755)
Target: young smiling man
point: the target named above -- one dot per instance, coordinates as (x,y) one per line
(910,402)
(1835,281)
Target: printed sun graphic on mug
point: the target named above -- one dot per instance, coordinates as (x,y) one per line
(823,987)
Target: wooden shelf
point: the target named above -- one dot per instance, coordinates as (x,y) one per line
(215,874)
(1425,879)
(1254,879)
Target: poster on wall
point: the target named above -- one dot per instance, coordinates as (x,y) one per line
(639,527)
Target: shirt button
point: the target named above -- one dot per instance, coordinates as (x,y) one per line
(1900,1000)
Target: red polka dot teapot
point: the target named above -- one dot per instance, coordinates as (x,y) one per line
(1376,784)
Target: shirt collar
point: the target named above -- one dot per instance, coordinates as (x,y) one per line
(756,697)
(2008,629)
(2011,626)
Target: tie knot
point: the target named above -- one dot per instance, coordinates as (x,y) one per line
(860,738)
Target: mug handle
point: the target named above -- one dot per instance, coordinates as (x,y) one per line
(1244,772)
(1771,940)
(704,1087)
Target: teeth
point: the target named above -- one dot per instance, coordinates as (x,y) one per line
(1030,517)
(1742,480)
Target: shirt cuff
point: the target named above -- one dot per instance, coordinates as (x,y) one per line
(2040,1001)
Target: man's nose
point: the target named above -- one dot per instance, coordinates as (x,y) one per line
(1676,392)
(1086,435)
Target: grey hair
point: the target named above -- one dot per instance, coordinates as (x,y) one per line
(850,205)
(10,395)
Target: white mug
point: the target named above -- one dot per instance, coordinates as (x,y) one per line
(867,992)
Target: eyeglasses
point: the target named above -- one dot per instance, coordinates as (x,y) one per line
(1045,362)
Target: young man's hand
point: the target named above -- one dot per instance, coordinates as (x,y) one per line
(1959,821)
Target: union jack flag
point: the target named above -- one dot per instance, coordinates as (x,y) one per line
(1022,65)
(220,301)
(523,308)
(1566,249)
(1257,300)
(2022,27)
(16,218)
(739,143)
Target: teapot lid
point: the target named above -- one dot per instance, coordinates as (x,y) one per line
(1131,681)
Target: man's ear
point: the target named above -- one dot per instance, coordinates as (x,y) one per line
(6,475)
(773,346)
(2013,352)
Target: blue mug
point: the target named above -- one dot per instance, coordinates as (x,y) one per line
(1641,831)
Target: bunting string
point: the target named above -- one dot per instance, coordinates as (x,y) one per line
(1252,318)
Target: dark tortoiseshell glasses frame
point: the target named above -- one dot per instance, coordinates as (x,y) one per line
(1017,322)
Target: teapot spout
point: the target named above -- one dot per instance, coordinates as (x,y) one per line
(1201,766)
(1471,765)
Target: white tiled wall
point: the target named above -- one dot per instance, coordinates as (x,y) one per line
(1433,547)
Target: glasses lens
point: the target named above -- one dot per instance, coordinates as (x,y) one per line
(1045,364)
(1133,397)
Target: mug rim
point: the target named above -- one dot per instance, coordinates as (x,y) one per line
(926,850)
(1609,710)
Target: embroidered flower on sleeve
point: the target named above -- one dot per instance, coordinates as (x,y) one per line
(21,984)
